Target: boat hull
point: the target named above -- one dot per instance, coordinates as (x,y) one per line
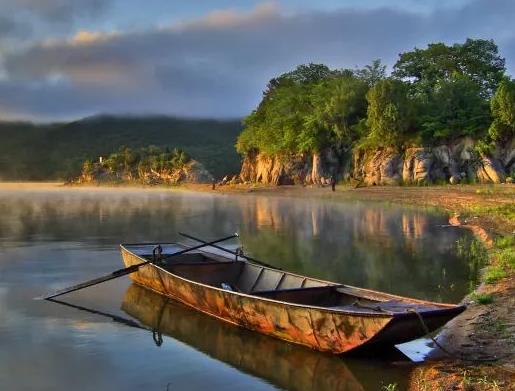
(318,328)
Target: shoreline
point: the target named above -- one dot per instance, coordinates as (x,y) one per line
(483,332)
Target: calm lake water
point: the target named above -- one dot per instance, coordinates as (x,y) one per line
(50,239)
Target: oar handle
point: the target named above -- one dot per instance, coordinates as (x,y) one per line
(130,269)
(229,251)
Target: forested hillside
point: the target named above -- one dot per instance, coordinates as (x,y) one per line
(57,151)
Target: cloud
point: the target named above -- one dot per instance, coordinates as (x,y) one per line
(54,10)
(22,21)
(218,65)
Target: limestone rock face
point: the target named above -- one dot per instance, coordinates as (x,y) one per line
(195,172)
(453,163)
(506,156)
(378,167)
(490,170)
(289,170)
(417,165)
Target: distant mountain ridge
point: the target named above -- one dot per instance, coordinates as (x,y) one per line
(56,151)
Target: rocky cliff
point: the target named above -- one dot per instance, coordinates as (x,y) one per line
(191,172)
(452,163)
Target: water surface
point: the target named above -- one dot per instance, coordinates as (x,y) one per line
(50,239)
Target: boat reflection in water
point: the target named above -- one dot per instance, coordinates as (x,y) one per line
(282,364)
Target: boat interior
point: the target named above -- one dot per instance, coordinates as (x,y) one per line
(249,278)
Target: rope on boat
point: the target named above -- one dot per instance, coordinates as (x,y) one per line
(428,332)
(157,337)
(451,354)
(157,254)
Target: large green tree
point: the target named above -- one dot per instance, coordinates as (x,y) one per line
(503,111)
(478,59)
(454,108)
(273,128)
(389,113)
(338,104)
(372,73)
(304,111)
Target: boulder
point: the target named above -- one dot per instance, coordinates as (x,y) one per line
(489,170)
(454,180)
(378,167)
(417,166)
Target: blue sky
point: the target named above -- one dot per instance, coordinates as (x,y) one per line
(65,59)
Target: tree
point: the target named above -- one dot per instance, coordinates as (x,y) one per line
(502,106)
(310,73)
(179,158)
(303,74)
(372,73)
(306,110)
(274,126)
(478,59)
(338,104)
(87,168)
(454,109)
(388,114)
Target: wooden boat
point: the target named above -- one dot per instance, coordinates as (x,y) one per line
(319,314)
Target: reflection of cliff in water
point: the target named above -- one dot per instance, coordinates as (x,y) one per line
(399,250)
(387,248)
(284,365)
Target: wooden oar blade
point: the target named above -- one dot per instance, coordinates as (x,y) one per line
(95,281)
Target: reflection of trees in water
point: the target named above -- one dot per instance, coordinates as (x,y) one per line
(386,248)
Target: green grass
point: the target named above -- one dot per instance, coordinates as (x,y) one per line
(503,254)
(390,387)
(505,242)
(504,211)
(482,298)
(494,274)
(476,255)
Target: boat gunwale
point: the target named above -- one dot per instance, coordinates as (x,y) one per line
(446,307)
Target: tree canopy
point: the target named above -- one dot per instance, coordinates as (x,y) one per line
(478,59)
(305,110)
(433,95)
(503,111)
(389,113)
(455,108)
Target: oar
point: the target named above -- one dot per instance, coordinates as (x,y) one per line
(229,251)
(128,270)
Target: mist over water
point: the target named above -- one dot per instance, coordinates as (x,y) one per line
(52,238)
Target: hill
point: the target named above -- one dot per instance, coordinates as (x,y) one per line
(56,151)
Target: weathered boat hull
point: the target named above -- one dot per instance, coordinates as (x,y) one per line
(318,328)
